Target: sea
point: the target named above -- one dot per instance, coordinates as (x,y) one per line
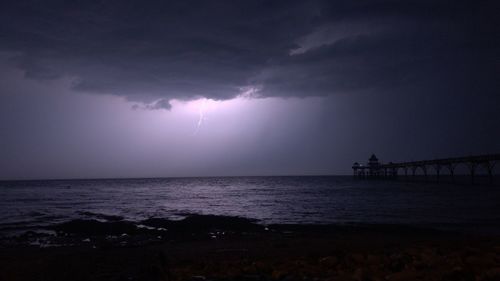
(34,205)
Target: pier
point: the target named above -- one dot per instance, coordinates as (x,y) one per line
(375,169)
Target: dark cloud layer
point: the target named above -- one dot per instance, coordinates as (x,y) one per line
(407,80)
(153,51)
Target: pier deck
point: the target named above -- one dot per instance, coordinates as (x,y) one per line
(428,167)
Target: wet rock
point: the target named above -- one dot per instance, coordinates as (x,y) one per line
(289,278)
(374,259)
(357,258)
(262,267)
(361,274)
(454,259)
(397,262)
(198,278)
(480,261)
(102,216)
(93,227)
(429,258)
(491,275)
(459,274)
(278,274)
(329,261)
(342,277)
(402,276)
(471,251)
(250,277)
(198,223)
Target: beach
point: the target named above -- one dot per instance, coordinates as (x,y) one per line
(232,248)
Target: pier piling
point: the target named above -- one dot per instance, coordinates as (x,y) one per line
(374,169)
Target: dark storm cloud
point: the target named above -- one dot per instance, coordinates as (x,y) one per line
(393,46)
(158,50)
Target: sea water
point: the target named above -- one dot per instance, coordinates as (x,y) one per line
(31,205)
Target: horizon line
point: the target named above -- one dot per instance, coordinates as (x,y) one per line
(175,177)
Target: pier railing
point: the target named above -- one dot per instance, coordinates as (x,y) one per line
(431,167)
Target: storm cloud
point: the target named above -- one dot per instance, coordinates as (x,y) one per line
(122,88)
(152,52)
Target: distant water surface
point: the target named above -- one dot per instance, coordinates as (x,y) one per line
(28,205)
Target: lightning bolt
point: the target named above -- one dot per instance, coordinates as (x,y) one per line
(201,116)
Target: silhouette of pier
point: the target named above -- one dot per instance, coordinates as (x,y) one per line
(435,167)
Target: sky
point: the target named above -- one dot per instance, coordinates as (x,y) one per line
(104,89)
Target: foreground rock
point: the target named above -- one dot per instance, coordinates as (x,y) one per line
(204,248)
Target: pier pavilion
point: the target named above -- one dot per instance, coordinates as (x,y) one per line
(374,169)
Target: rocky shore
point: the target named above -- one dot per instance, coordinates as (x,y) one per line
(202,248)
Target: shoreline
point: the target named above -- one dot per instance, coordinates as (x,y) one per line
(101,227)
(231,248)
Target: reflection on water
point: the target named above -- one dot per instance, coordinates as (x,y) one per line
(31,204)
